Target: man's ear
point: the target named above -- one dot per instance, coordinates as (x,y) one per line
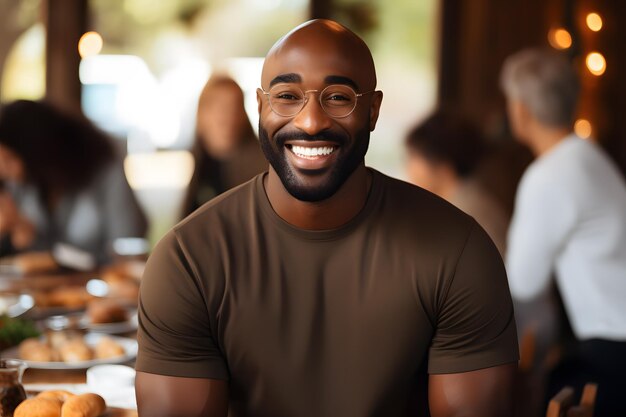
(524,114)
(519,117)
(259,100)
(377,99)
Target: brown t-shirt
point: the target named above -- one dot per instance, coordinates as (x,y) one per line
(325,323)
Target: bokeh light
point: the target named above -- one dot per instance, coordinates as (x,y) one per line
(560,38)
(596,64)
(583,128)
(594,22)
(90,44)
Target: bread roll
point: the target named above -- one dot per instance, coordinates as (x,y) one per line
(33,349)
(76,350)
(108,348)
(38,407)
(60,395)
(35,262)
(127,291)
(106,311)
(84,405)
(70,297)
(57,338)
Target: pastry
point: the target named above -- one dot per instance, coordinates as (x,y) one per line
(84,405)
(107,348)
(60,395)
(76,350)
(70,297)
(106,311)
(33,349)
(35,262)
(39,407)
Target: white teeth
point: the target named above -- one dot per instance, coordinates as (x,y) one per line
(305,151)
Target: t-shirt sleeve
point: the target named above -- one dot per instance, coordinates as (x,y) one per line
(176,335)
(475,326)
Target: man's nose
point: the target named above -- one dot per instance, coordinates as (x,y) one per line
(312,119)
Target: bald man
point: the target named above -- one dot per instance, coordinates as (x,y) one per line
(323,287)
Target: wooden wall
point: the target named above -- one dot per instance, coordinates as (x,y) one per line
(477,35)
(66,21)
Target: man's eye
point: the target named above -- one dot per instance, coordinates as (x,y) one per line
(338,97)
(286,96)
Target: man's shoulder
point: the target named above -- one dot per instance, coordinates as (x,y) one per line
(422,217)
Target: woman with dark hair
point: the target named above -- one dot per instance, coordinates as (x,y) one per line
(63,183)
(226,151)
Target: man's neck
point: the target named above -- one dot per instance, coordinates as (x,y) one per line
(331,213)
(544,139)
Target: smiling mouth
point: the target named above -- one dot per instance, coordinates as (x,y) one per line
(311,152)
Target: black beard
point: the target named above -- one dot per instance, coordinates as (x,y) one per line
(349,159)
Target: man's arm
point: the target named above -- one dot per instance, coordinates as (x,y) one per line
(483,393)
(544,216)
(168,396)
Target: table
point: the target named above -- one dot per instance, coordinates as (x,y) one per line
(45,376)
(43,282)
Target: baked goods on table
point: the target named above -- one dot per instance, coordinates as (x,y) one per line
(33,349)
(123,280)
(84,405)
(68,347)
(33,262)
(124,271)
(107,348)
(106,310)
(71,297)
(61,404)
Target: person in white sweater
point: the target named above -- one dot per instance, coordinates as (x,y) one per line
(569,222)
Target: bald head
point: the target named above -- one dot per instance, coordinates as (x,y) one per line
(341,51)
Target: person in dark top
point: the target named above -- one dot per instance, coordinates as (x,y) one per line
(226,151)
(443,152)
(323,287)
(64,183)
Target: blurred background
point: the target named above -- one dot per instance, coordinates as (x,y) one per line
(136,69)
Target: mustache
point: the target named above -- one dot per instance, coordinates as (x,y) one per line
(281,137)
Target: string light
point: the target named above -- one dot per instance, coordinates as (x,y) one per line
(582,128)
(596,64)
(560,38)
(90,44)
(594,22)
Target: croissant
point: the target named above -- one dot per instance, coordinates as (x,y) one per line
(84,405)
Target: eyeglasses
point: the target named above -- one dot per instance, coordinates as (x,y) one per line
(337,100)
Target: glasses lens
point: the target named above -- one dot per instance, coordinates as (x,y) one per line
(286,99)
(338,100)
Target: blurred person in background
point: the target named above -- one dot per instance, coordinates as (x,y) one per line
(63,183)
(226,150)
(443,152)
(569,220)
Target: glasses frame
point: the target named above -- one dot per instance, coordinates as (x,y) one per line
(305,100)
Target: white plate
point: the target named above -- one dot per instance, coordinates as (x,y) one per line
(81,321)
(113,328)
(91,339)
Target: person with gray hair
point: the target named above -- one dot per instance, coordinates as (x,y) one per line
(545,82)
(568,221)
